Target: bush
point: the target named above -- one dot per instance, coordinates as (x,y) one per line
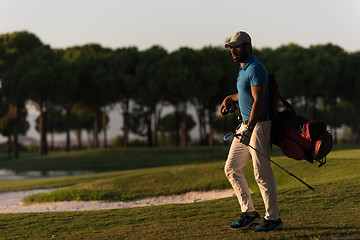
(4,147)
(33,148)
(117,141)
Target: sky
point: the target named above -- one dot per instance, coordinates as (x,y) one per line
(186,23)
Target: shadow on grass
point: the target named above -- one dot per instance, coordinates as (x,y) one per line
(352,228)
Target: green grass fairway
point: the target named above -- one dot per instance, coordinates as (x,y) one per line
(332,211)
(112,159)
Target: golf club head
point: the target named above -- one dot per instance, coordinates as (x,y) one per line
(228,136)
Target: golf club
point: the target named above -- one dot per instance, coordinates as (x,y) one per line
(228,136)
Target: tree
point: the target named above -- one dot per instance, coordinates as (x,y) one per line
(2,57)
(7,122)
(123,68)
(181,74)
(97,86)
(166,126)
(349,93)
(41,78)
(216,79)
(81,118)
(56,123)
(68,85)
(291,73)
(324,69)
(16,46)
(151,89)
(269,58)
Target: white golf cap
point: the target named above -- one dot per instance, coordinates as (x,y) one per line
(238,38)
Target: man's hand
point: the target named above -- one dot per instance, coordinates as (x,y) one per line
(232,108)
(229,105)
(245,136)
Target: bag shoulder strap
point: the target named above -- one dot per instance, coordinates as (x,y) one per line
(286,103)
(273,88)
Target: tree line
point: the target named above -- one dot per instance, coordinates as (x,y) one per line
(80,82)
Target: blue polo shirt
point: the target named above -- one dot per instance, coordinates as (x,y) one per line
(253,73)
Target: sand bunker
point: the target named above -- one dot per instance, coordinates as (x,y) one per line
(11,202)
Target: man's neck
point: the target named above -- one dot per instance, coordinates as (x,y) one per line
(243,63)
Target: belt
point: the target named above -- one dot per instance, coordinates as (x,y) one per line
(260,120)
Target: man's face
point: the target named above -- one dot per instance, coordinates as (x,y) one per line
(240,53)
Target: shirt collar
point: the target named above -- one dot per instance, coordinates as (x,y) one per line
(248,62)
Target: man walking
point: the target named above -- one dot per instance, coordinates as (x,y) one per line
(252,84)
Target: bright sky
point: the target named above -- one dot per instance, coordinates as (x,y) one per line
(190,23)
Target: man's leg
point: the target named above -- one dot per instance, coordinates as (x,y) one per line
(263,173)
(238,157)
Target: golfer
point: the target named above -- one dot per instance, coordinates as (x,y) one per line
(252,84)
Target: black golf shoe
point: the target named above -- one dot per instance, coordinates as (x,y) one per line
(270,225)
(246,222)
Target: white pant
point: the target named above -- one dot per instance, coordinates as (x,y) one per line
(239,156)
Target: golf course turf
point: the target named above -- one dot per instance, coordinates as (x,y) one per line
(332,211)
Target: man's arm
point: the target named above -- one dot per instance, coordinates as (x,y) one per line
(258,93)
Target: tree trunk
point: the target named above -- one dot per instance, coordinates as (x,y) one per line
(157,116)
(306,107)
(79,139)
(16,123)
(202,124)
(125,108)
(334,117)
(52,141)
(182,126)
(335,136)
(355,129)
(79,131)
(211,129)
(153,124)
(67,110)
(314,113)
(90,141)
(355,135)
(177,122)
(148,126)
(96,128)
(42,129)
(43,148)
(9,147)
(104,123)
(46,148)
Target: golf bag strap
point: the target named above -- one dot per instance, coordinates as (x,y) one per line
(286,103)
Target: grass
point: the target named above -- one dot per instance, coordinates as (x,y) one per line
(331,211)
(132,184)
(128,185)
(100,160)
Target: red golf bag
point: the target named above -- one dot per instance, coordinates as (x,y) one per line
(298,137)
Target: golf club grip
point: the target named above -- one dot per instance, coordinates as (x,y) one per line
(232,108)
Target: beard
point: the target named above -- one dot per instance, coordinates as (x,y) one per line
(241,57)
